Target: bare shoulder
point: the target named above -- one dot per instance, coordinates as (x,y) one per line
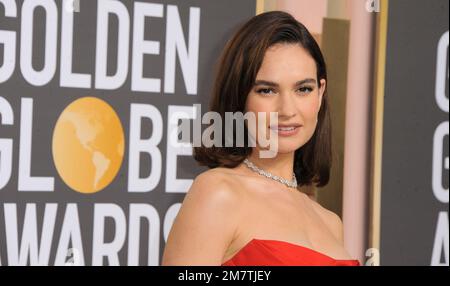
(211,193)
(331,219)
(215,184)
(206,222)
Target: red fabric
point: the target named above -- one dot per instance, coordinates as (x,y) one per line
(264,252)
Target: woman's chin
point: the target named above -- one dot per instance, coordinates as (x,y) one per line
(290,144)
(287,148)
(283,147)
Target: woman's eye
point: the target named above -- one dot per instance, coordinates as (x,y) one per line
(264,91)
(305,89)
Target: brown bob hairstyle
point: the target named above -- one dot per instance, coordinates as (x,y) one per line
(235,75)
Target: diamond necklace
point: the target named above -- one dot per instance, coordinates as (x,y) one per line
(290,184)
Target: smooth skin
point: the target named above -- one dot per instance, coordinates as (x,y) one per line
(226,208)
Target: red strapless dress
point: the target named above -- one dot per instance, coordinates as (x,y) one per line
(265,252)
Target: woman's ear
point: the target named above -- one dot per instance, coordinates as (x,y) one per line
(323,84)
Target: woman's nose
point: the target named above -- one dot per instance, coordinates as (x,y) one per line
(286,105)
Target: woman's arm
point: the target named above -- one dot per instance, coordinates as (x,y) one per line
(205,224)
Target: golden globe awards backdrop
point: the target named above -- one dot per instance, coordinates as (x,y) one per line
(414,226)
(90,171)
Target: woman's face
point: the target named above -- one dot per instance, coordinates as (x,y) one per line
(286,83)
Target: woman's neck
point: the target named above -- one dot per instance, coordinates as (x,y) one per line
(281,165)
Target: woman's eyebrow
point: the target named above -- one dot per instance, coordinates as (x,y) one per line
(274,84)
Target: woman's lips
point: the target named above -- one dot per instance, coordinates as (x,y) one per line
(285,130)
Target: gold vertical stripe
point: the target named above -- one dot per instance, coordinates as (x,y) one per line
(265,6)
(259,6)
(377,126)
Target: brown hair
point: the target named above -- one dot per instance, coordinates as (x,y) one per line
(236,72)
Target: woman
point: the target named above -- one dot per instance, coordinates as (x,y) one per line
(236,213)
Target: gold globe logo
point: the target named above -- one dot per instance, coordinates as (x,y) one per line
(88,145)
